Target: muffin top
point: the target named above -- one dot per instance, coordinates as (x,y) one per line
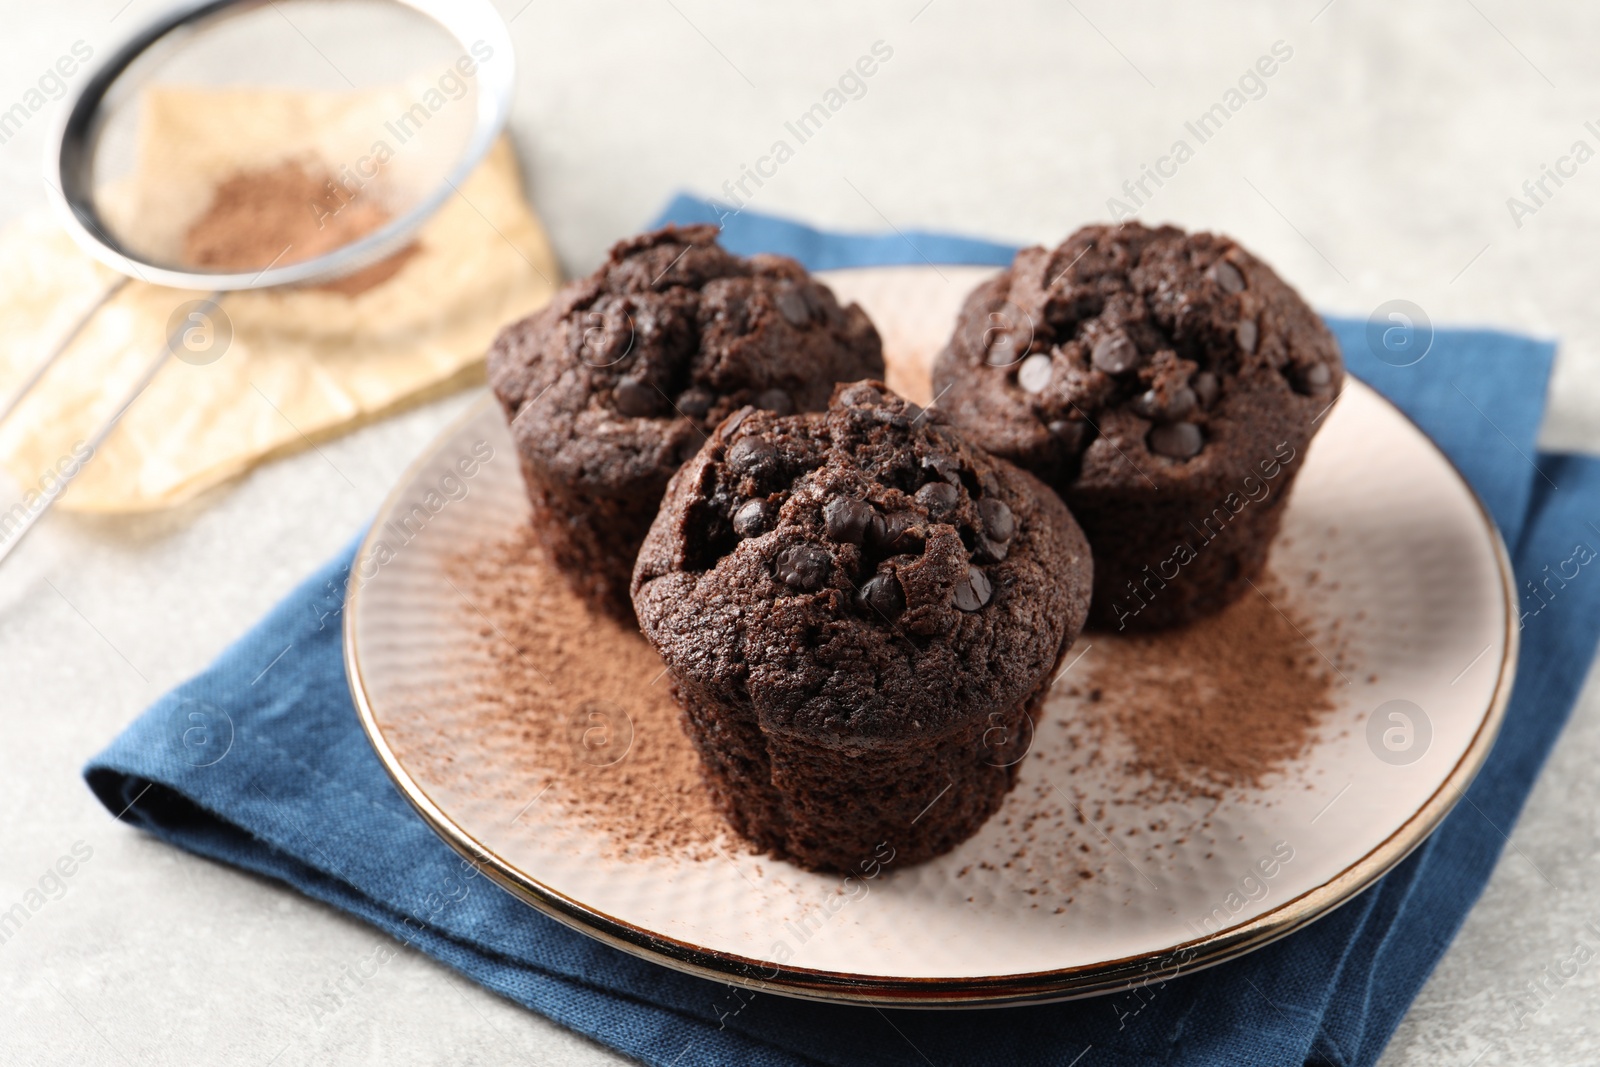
(858,573)
(619,379)
(1137,355)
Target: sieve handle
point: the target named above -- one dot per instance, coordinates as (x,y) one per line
(13,530)
(60,348)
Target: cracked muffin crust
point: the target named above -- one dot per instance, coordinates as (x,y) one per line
(859,609)
(1166,385)
(615,384)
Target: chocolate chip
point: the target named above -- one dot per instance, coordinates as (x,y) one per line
(792,306)
(634,399)
(1307,380)
(1034,374)
(750,519)
(848,520)
(1002,347)
(776,401)
(988,550)
(1174,405)
(943,467)
(804,567)
(973,591)
(883,594)
(749,453)
(695,402)
(998,522)
(901,533)
(988,482)
(1205,388)
(1227,276)
(877,530)
(731,426)
(1071,434)
(861,395)
(1114,355)
(814,301)
(915,412)
(940,498)
(1246,335)
(1177,440)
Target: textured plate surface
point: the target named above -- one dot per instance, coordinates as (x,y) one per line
(1414,583)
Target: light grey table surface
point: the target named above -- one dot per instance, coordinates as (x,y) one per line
(1376,165)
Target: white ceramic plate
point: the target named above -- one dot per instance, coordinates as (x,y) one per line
(1414,579)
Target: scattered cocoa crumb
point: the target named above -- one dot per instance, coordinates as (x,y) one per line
(287,214)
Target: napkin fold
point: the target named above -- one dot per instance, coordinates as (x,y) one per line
(280,780)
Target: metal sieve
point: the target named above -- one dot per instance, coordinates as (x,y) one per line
(395,101)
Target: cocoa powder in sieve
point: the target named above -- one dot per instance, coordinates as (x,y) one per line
(287,214)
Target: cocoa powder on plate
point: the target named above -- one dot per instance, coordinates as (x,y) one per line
(576,702)
(584,702)
(1217,705)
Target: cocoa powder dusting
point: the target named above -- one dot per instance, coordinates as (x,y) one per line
(584,705)
(1219,705)
(1142,743)
(255,215)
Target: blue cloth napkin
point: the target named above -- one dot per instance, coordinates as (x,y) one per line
(270,772)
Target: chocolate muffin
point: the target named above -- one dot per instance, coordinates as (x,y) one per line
(613,385)
(1166,385)
(861,613)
